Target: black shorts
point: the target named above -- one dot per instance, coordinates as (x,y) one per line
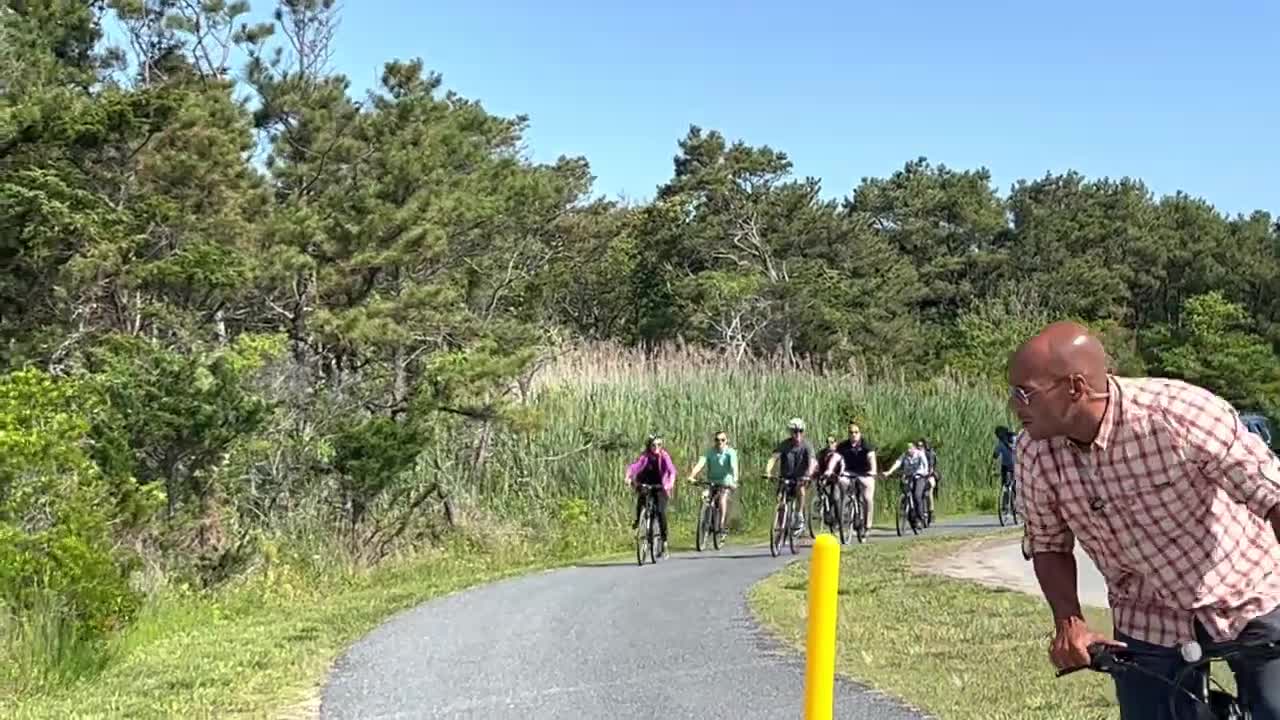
(790,483)
(1006,474)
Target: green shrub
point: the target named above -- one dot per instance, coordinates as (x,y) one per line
(54,504)
(64,584)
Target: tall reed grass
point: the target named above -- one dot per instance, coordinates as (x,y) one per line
(600,402)
(44,646)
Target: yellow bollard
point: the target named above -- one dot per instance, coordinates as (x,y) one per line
(820,660)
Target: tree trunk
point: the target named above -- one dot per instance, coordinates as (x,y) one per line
(399,360)
(220,326)
(400,380)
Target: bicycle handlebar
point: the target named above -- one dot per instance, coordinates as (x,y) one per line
(1113,660)
(1103,658)
(1109,658)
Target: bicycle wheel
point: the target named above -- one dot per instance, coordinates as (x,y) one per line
(900,513)
(717,524)
(859,518)
(654,538)
(791,536)
(779,526)
(814,501)
(641,527)
(1004,502)
(837,511)
(703,522)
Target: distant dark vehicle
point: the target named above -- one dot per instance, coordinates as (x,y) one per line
(1260,426)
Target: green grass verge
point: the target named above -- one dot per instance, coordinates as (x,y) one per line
(253,652)
(958,650)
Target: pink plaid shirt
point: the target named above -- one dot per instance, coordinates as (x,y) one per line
(1170,502)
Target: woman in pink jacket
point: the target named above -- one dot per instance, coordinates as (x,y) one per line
(653,469)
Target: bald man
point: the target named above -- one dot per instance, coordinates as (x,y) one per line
(1171,496)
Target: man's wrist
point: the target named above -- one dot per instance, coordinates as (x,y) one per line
(1069,620)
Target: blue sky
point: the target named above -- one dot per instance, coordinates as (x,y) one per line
(1183,95)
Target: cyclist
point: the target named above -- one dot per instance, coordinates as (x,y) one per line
(721,462)
(797,463)
(830,461)
(653,469)
(859,456)
(1004,452)
(915,468)
(1171,496)
(933,478)
(831,465)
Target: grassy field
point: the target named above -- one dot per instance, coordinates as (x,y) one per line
(548,496)
(958,650)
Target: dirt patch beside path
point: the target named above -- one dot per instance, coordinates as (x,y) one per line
(998,562)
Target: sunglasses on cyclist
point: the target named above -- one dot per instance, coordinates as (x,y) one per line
(1023,395)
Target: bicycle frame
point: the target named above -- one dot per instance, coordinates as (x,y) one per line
(788,504)
(709,503)
(648,518)
(908,490)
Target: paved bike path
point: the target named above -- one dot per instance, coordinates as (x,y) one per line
(615,640)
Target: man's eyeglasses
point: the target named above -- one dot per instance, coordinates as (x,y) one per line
(720,439)
(1023,395)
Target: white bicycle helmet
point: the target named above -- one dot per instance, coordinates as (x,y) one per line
(795,424)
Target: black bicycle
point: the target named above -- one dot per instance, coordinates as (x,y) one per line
(1006,506)
(855,508)
(907,510)
(828,503)
(1212,701)
(648,532)
(784,517)
(710,524)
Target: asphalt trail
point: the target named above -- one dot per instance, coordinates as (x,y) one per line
(613,640)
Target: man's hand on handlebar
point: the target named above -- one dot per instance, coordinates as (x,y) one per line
(1070,646)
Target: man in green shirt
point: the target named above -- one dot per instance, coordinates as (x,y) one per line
(721,462)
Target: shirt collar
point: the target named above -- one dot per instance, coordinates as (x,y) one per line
(1110,419)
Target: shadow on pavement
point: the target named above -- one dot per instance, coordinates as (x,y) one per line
(721,555)
(683,554)
(945,526)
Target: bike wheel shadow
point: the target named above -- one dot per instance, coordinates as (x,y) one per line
(722,555)
(740,552)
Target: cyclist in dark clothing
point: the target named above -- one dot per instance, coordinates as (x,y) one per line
(796,461)
(934,477)
(859,467)
(1004,451)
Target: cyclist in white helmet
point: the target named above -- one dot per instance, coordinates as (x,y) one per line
(798,463)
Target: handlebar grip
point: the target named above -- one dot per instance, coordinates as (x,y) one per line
(1100,656)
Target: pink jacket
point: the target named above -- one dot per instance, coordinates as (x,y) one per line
(664,462)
